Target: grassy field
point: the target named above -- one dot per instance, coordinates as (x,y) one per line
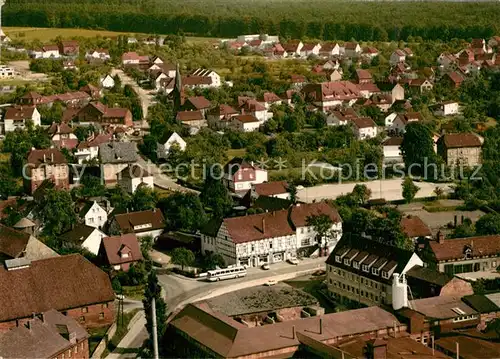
(49,34)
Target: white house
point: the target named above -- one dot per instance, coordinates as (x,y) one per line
(87,237)
(293,48)
(162,149)
(214,76)
(340,118)
(351,49)
(401,121)
(310,49)
(397,56)
(6,71)
(88,150)
(276,189)
(274,237)
(239,175)
(245,123)
(447,61)
(392,149)
(94,215)
(364,128)
(46,52)
(142,223)
(448,108)
(107,82)
(133,177)
(389,119)
(18,116)
(329,49)
(98,54)
(253,107)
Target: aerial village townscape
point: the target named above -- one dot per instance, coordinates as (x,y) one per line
(324,189)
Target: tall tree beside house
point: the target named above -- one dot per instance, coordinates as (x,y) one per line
(361,193)
(119,198)
(322,225)
(488,224)
(56,211)
(153,290)
(144,198)
(182,257)
(292,189)
(410,189)
(183,211)
(418,149)
(215,195)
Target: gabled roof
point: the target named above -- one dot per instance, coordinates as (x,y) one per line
(19,113)
(271,188)
(134,171)
(78,234)
(363,122)
(58,283)
(350,45)
(61,128)
(302,211)
(270,97)
(199,102)
(118,152)
(223,110)
(246,118)
(127,221)
(393,141)
(459,140)
(429,275)
(252,105)
(454,249)
(127,244)
(48,156)
(442,307)
(413,226)
(363,74)
(96,141)
(455,77)
(189,116)
(45,338)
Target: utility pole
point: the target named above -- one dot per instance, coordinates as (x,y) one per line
(155,330)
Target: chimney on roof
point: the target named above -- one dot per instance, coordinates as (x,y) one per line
(440,237)
(42,317)
(293,332)
(28,324)
(320,326)
(72,337)
(44,158)
(263,225)
(52,157)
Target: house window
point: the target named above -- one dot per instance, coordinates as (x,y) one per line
(366,268)
(305,242)
(101,315)
(347,262)
(355,265)
(85,309)
(385,275)
(338,259)
(82,319)
(374,271)
(104,305)
(253,248)
(75,349)
(91,219)
(270,245)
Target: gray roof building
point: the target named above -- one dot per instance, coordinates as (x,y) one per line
(118,152)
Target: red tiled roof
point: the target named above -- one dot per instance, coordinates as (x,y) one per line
(116,112)
(127,221)
(246,118)
(252,105)
(370,50)
(19,113)
(270,97)
(413,227)
(300,212)
(50,48)
(60,283)
(364,122)
(271,188)
(363,74)
(455,77)
(57,128)
(48,156)
(32,95)
(125,244)
(12,243)
(130,56)
(196,80)
(189,116)
(199,102)
(454,248)
(328,47)
(350,45)
(298,78)
(458,140)
(393,141)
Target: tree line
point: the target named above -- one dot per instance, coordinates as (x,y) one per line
(318,19)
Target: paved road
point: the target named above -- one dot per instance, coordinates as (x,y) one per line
(146,98)
(180,291)
(391,190)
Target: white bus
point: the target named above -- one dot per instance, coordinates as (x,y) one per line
(226,273)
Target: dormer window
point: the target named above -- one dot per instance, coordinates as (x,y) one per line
(338,259)
(468,253)
(385,275)
(125,255)
(366,268)
(375,271)
(347,262)
(355,265)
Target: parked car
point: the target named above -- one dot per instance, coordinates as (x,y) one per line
(270,282)
(293,261)
(265,267)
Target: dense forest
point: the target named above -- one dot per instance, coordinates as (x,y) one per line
(318,19)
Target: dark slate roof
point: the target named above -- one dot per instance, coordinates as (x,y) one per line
(271,203)
(481,303)
(118,152)
(429,275)
(78,234)
(211,228)
(372,252)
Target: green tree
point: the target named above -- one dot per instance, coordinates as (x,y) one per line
(153,290)
(322,225)
(215,195)
(361,193)
(144,198)
(91,186)
(182,257)
(418,148)
(292,189)
(56,210)
(410,189)
(212,261)
(183,211)
(488,224)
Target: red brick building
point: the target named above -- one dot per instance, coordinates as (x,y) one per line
(70,284)
(47,335)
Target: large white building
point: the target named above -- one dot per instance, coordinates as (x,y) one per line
(273,237)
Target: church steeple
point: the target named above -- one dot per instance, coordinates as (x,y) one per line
(178,92)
